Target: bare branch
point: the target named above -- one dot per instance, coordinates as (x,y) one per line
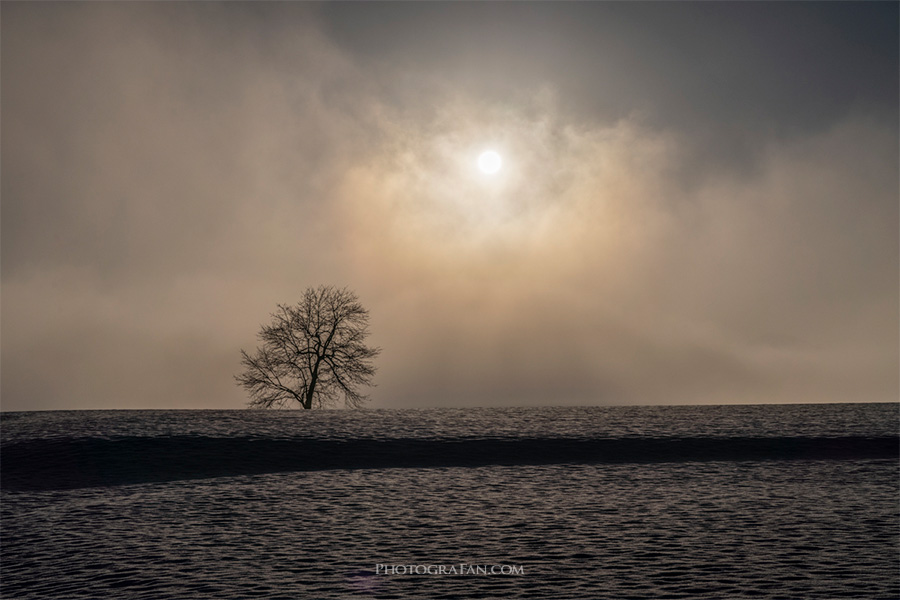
(312,353)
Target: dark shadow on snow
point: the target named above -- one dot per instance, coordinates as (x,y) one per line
(91,462)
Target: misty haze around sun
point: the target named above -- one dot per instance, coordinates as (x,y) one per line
(687,203)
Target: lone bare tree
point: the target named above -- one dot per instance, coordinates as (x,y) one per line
(311,353)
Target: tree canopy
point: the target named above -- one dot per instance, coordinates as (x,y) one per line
(312,353)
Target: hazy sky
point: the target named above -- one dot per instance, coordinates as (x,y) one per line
(698,202)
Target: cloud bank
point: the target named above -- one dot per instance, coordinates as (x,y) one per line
(171,172)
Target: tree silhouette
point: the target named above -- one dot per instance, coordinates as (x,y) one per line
(311,353)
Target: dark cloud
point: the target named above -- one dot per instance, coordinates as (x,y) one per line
(791,65)
(699,202)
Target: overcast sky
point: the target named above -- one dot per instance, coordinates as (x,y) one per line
(698,202)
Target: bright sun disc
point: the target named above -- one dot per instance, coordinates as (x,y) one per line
(489,162)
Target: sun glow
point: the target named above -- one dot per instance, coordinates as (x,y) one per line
(489,162)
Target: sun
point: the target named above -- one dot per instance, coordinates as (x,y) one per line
(489,162)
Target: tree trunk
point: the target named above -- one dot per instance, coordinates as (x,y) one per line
(312,387)
(315,371)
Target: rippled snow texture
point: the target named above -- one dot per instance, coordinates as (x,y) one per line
(791,529)
(783,420)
